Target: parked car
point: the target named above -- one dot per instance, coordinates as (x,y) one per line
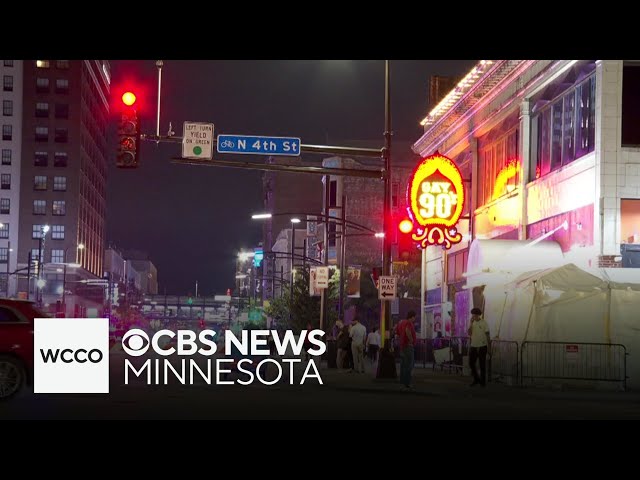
(16,345)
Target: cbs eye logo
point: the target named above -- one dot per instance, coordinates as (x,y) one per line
(136,339)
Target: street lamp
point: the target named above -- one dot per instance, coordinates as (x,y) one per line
(40,283)
(80,246)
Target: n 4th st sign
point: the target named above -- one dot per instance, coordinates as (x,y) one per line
(387,289)
(197,140)
(259,145)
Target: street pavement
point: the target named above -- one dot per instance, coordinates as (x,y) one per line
(434,395)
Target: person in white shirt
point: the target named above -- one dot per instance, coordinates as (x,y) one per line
(373,345)
(480,346)
(358,333)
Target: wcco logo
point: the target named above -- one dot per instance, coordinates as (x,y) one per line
(71,355)
(67,355)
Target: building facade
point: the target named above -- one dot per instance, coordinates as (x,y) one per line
(11,94)
(549,152)
(60,177)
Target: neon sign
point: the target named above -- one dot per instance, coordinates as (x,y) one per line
(435,196)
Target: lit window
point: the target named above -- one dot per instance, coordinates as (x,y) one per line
(39,207)
(36,232)
(34,256)
(5,206)
(62,64)
(42,63)
(59,184)
(40,182)
(42,85)
(4,230)
(42,134)
(5,181)
(7,83)
(7,108)
(57,232)
(42,110)
(59,207)
(62,85)
(57,255)
(4,255)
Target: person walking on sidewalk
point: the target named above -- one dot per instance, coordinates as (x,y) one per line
(358,335)
(373,345)
(479,346)
(407,334)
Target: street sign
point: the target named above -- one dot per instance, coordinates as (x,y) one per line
(322,277)
(251,145)
(388,288)
(197,140)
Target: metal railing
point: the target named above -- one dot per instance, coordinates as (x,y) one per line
(598,362)
(504,362)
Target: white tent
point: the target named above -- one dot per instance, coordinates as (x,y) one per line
(570,305)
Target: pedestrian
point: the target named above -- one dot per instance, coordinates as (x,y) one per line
(480,346)
(358,335)
(373,345)
(343,344)
(407,334)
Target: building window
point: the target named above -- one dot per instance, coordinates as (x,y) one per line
(7,108)
(8,63)
(57,232)
(42,85)
(42,134)
(62,110)
(630,105)
(564,129)
(7,132)
(60,159)
(42,63)
(5,206)
(39,207)
(36,233)
(42,110)
(7,83)
(41,159)
(59,184)
(59,207)
(61,135)
(6,156)
(4,254)
(34,255)
(498,169)
(57,255)
(62,64)
(4,230)
(62,85)
(40,182)
(5,181)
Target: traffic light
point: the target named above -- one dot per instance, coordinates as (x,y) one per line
(128,133)
(406,245)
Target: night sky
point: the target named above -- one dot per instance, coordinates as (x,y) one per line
(193,220)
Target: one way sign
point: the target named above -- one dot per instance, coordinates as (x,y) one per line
(388,288)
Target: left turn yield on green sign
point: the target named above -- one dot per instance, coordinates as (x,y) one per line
(197,140)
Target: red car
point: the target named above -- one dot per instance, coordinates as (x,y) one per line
(16,344)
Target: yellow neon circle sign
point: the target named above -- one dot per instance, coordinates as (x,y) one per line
(436,199)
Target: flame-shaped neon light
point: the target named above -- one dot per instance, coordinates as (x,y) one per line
(435,196)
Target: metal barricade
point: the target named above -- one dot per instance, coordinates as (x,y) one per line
(450,352)
(598,362)
(504,362)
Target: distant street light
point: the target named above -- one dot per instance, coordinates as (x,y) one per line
(41,283)
(295,220)
(379,235)
(259,216)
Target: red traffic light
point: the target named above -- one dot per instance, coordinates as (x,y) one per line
(128,98)
(405,226)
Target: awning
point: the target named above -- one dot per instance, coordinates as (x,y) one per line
(499,261)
